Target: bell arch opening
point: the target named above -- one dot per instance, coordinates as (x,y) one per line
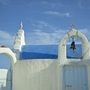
(62,46)
(74,48)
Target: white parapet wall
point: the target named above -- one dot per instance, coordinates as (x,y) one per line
(35,75)
(3,78)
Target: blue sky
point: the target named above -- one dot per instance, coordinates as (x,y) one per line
(45,21)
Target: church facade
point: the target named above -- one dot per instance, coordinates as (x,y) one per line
(53,71)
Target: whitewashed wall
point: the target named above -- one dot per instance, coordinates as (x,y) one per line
(35,75)
(5,79)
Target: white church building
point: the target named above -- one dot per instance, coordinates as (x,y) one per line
(47,67)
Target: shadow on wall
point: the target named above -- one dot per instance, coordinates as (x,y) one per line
(9,80)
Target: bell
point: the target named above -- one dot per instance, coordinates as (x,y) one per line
(73,45)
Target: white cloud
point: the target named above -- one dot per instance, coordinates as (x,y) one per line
(40,24)
(4,35)
(6,38)
(43,26)
(52,4)
(41,37)
(45,33)
(67,14)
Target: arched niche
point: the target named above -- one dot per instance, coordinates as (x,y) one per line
(62,45)
(8,72)
(8,52)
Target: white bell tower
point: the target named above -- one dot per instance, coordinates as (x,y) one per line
(19,39)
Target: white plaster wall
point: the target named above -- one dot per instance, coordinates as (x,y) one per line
(60,72)
(60,77)
(35,75)
(3,77)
